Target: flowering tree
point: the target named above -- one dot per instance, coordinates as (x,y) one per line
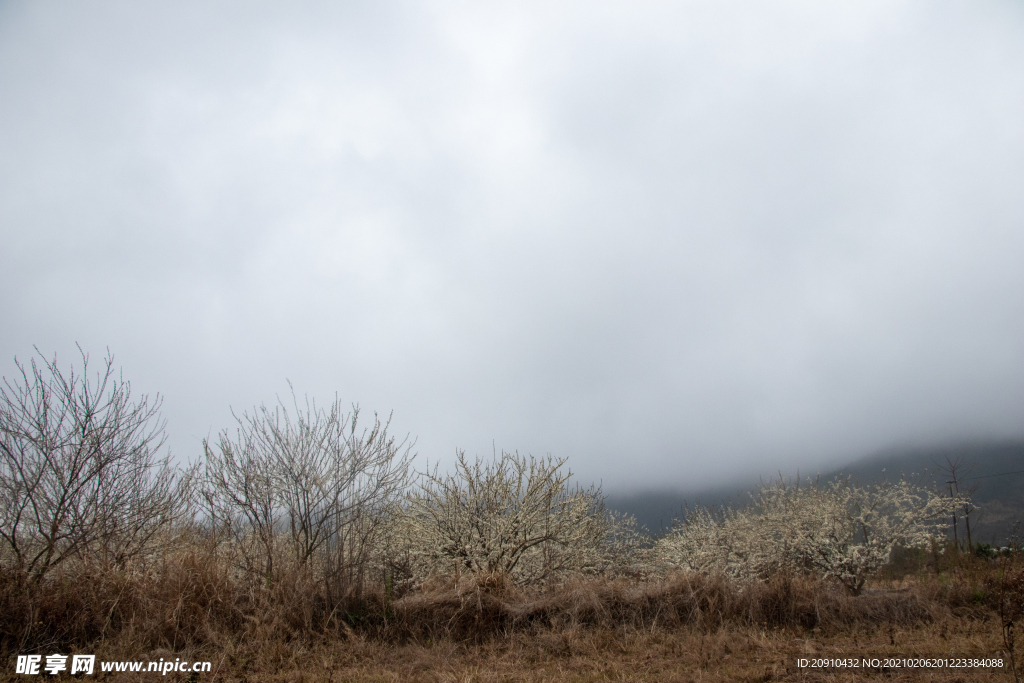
(516,515)
(841,531)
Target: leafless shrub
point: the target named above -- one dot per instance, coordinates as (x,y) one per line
(1009,597)
(80,475)
(308,489)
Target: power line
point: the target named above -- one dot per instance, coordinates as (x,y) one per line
(1001,474)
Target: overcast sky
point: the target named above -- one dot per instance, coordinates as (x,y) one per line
(676,243)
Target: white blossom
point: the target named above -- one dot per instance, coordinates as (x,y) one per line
(516,515)
(840,531)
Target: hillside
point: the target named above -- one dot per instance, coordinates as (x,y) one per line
(996,468)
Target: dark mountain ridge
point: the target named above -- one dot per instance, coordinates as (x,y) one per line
(994,468)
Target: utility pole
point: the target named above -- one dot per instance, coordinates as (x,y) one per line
(956,541)
(952,469)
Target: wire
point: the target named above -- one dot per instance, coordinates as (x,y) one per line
(1001,474)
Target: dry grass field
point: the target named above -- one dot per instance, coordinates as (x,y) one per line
(482,628)
(303,549)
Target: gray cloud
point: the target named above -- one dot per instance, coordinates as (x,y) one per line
(669,243)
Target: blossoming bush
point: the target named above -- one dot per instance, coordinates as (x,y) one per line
(517,516)
(840,531)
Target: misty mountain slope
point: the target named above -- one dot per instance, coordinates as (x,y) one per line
(996,468)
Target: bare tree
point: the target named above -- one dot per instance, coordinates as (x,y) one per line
(80,474)
(307,486)
(515,515)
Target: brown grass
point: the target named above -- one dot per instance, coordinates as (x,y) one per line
(483,628)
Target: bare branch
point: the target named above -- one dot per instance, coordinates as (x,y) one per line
(80,474)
